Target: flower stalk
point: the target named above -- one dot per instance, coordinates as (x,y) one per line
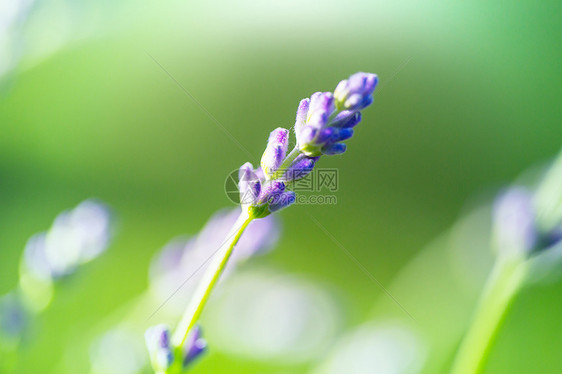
(209,280)
(501,288)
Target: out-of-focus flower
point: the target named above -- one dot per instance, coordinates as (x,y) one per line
(187,257)
(269,316)
(157,340)
(382,347)
(161,352)
(515,230)
(194,347)
(118,351)
(76,237)
(14,318)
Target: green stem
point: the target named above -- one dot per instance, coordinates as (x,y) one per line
(209,280)
(502,286)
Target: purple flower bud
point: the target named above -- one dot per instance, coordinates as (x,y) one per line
(157,340)
(346,119)
(300,168)
(194,346)
(307,135)
(275,151)
(515,230)
(248,184)
(342,134)
(334,149)
(283,200)
(302,113)
(355,93)
(270,191)
(326,135)
(321,106)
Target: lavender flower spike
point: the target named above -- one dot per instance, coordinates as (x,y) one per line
(322,123)
(275,151)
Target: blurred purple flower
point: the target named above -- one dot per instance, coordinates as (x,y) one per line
(76,237)
(186,257)
(161,352)
(515,230)
(14,318)
(157,340)
(195,345)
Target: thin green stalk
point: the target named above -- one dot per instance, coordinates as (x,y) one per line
(501,288)
(209,280)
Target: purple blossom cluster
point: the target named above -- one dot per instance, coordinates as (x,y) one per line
(323,122)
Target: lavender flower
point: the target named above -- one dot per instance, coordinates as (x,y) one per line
(515,230)
(322,123)
(516,225)
(184,256)
(14,318)
(76,237)
(195,346)
(162,353)
(157,340)
(118,351)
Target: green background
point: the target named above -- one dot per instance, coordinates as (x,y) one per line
(469,97)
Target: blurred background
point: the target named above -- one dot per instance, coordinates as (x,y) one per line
(138,105)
